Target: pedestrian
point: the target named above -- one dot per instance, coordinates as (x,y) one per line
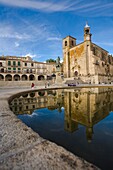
(32,85)
(45,84)
(48,84)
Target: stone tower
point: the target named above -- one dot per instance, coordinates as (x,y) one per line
(58,71)
(68,43)
(87,34)
(87,41)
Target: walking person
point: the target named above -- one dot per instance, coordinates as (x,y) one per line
(45,84)
(48,83)
(32,85)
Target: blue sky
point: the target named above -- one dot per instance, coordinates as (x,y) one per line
(37,27)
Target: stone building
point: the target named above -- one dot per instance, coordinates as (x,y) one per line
(24,69)
(86,61)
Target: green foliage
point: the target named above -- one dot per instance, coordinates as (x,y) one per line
(50,61)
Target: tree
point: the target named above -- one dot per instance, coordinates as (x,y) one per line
(50,61)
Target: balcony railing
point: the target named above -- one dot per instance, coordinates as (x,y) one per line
(24,72)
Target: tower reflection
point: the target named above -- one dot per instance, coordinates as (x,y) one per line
(87,107)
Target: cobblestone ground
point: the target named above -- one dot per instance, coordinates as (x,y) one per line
(23,149)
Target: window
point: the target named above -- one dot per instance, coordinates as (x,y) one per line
(97,62)
(9,63)
(87,31)
(72,42)
(31,64)
(103,57)
(76,73)
(0,64)
(2,70)
(109,60)
(18,69)
(18,63)
(9,69)
(65,43)
(14,63)
(25,64)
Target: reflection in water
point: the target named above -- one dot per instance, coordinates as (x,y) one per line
(87,107)
(82,108)
(28,102)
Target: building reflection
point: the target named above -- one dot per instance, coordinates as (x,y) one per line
(28,102)
(82,106)
(87,107)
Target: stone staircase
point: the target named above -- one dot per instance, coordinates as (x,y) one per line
(73,80)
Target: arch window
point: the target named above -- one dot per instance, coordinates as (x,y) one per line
(0,64)
(65,43)
(76,73)
(14,63)
(18,63)
(87,31)
(9,63)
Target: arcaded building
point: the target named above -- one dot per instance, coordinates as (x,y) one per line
(86,61)
(14,68)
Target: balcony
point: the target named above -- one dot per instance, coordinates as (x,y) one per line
(24,72)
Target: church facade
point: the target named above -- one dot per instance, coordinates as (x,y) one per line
(86,61)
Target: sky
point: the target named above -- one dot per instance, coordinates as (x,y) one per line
(37,27)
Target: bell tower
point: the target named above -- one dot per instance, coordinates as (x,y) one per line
(68,43)
(87,34)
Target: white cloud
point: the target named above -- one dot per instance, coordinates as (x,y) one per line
(17,44)
(47,6)
(54,39)
(67,5)
(33,56)
(30,55)
(8,31)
